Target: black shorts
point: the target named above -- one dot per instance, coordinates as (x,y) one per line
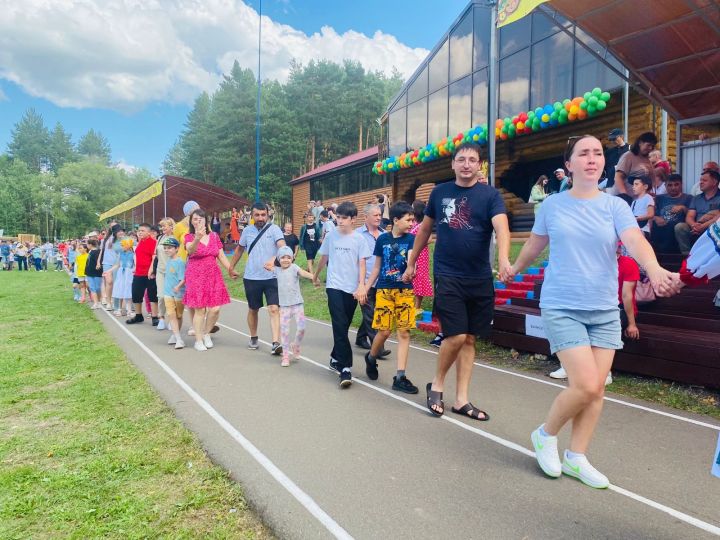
(139,285)
(255,288)
(464,305)
(311,252)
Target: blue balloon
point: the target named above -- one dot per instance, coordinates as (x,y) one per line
(548,109)
(539,111)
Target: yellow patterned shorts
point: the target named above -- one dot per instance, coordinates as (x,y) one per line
(394,308)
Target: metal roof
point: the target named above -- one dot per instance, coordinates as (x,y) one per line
(352,159)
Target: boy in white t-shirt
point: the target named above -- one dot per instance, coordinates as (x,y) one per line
(345,252)
(643,205)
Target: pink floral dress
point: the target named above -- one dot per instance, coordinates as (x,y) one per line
(421,283)
(204,284)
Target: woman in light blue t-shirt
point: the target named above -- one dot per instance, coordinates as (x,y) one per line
(579,300)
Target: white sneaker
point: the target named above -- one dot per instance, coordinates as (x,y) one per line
(581,469)
(608,379)
(161,324)
(173,340)
(546,453)
(207,341)
(117,313)
(558,374)
(191,332)
(199,346)
(179,344)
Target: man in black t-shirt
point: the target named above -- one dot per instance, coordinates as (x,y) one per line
(465,213)
(613,155)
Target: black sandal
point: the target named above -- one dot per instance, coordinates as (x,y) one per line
(434,398)
(471,411)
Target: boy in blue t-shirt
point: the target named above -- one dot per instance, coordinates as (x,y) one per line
(395,298)
(344,251)
(174,290)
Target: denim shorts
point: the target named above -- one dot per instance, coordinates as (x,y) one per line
(94,284)
(568,328)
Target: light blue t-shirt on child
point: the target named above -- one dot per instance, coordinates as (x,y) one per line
(264,250)
(174,274)
(344,251)
(583,269)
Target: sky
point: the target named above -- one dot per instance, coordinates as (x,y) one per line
(131,69)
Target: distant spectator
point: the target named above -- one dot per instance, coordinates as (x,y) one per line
(216,222)
(670,209)
(634,163)
(565,181)
(538,193)
(643,207)
(659,180)
(613,155)
(310,240)
(710,165)
(703,211)
(658,162)
(327,224)
(291,240)
(317,210)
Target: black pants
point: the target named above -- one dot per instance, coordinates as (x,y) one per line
(139,285)
(342,308)
(368,310)
(22,262)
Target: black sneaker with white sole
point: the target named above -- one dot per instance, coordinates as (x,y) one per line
(276,349)
(334,365)
(403,384)
(345,378)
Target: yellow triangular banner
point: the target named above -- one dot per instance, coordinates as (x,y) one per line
(510,11)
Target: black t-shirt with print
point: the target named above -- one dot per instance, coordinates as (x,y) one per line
(394,252)
(464,228)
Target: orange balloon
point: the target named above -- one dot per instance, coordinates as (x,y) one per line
(574,110)
(572,117)
(582,114)
(568,105)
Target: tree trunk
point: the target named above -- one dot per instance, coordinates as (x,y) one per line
(360,135)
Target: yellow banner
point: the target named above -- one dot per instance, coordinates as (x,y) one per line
(510,11)
(144,196)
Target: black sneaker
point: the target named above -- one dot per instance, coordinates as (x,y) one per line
(384,354)
(371,369)
(363,344)
(155,321)
(334,364)
(346,379)
(403,384)
(136,319)
(437,340)
(276,349)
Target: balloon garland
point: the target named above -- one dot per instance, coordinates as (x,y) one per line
(551,115)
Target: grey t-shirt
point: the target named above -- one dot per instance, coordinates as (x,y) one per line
(344,253)
(288,285)
(264,250)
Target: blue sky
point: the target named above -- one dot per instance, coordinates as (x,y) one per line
(133,75)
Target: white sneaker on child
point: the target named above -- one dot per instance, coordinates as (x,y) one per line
(161,324)
(546,453)
(579,467)
(199,346)
(558,374)
(117,313)
(179,344)
(173,340)
(207,341)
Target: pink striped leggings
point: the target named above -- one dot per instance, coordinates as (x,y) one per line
(287,314)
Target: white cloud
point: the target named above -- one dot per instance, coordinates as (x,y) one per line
(124,54)
(3,97)
(125,166)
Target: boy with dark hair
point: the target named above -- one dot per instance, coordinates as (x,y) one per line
(345,251)
(395,298)
(670,209)
(327,224)
(643,207)
(141,280)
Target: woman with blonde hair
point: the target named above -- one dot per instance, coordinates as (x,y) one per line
(157,268)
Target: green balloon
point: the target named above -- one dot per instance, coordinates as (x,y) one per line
(593,100)
(596,92)
(566,101)
(583,105)
(586,96)
(531,115)
(592,109)
(557,106)
(605,96)
(563,114)
(601,105)
(563,119)
(554,115)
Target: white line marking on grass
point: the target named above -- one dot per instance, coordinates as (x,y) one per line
(548,383)
(303,498)
(695,522)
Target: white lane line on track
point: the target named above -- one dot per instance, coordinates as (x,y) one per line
(695,522)
(541,381)
(303,498)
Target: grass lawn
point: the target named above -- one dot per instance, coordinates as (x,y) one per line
(88,450)
(673,395)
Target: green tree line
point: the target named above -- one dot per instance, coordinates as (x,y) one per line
(323,112)
(54,188)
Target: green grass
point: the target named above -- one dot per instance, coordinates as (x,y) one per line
(673,395)
(88,450)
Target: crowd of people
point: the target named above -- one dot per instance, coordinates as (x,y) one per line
(383,266)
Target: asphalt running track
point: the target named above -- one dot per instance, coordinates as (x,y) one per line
(319,462)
